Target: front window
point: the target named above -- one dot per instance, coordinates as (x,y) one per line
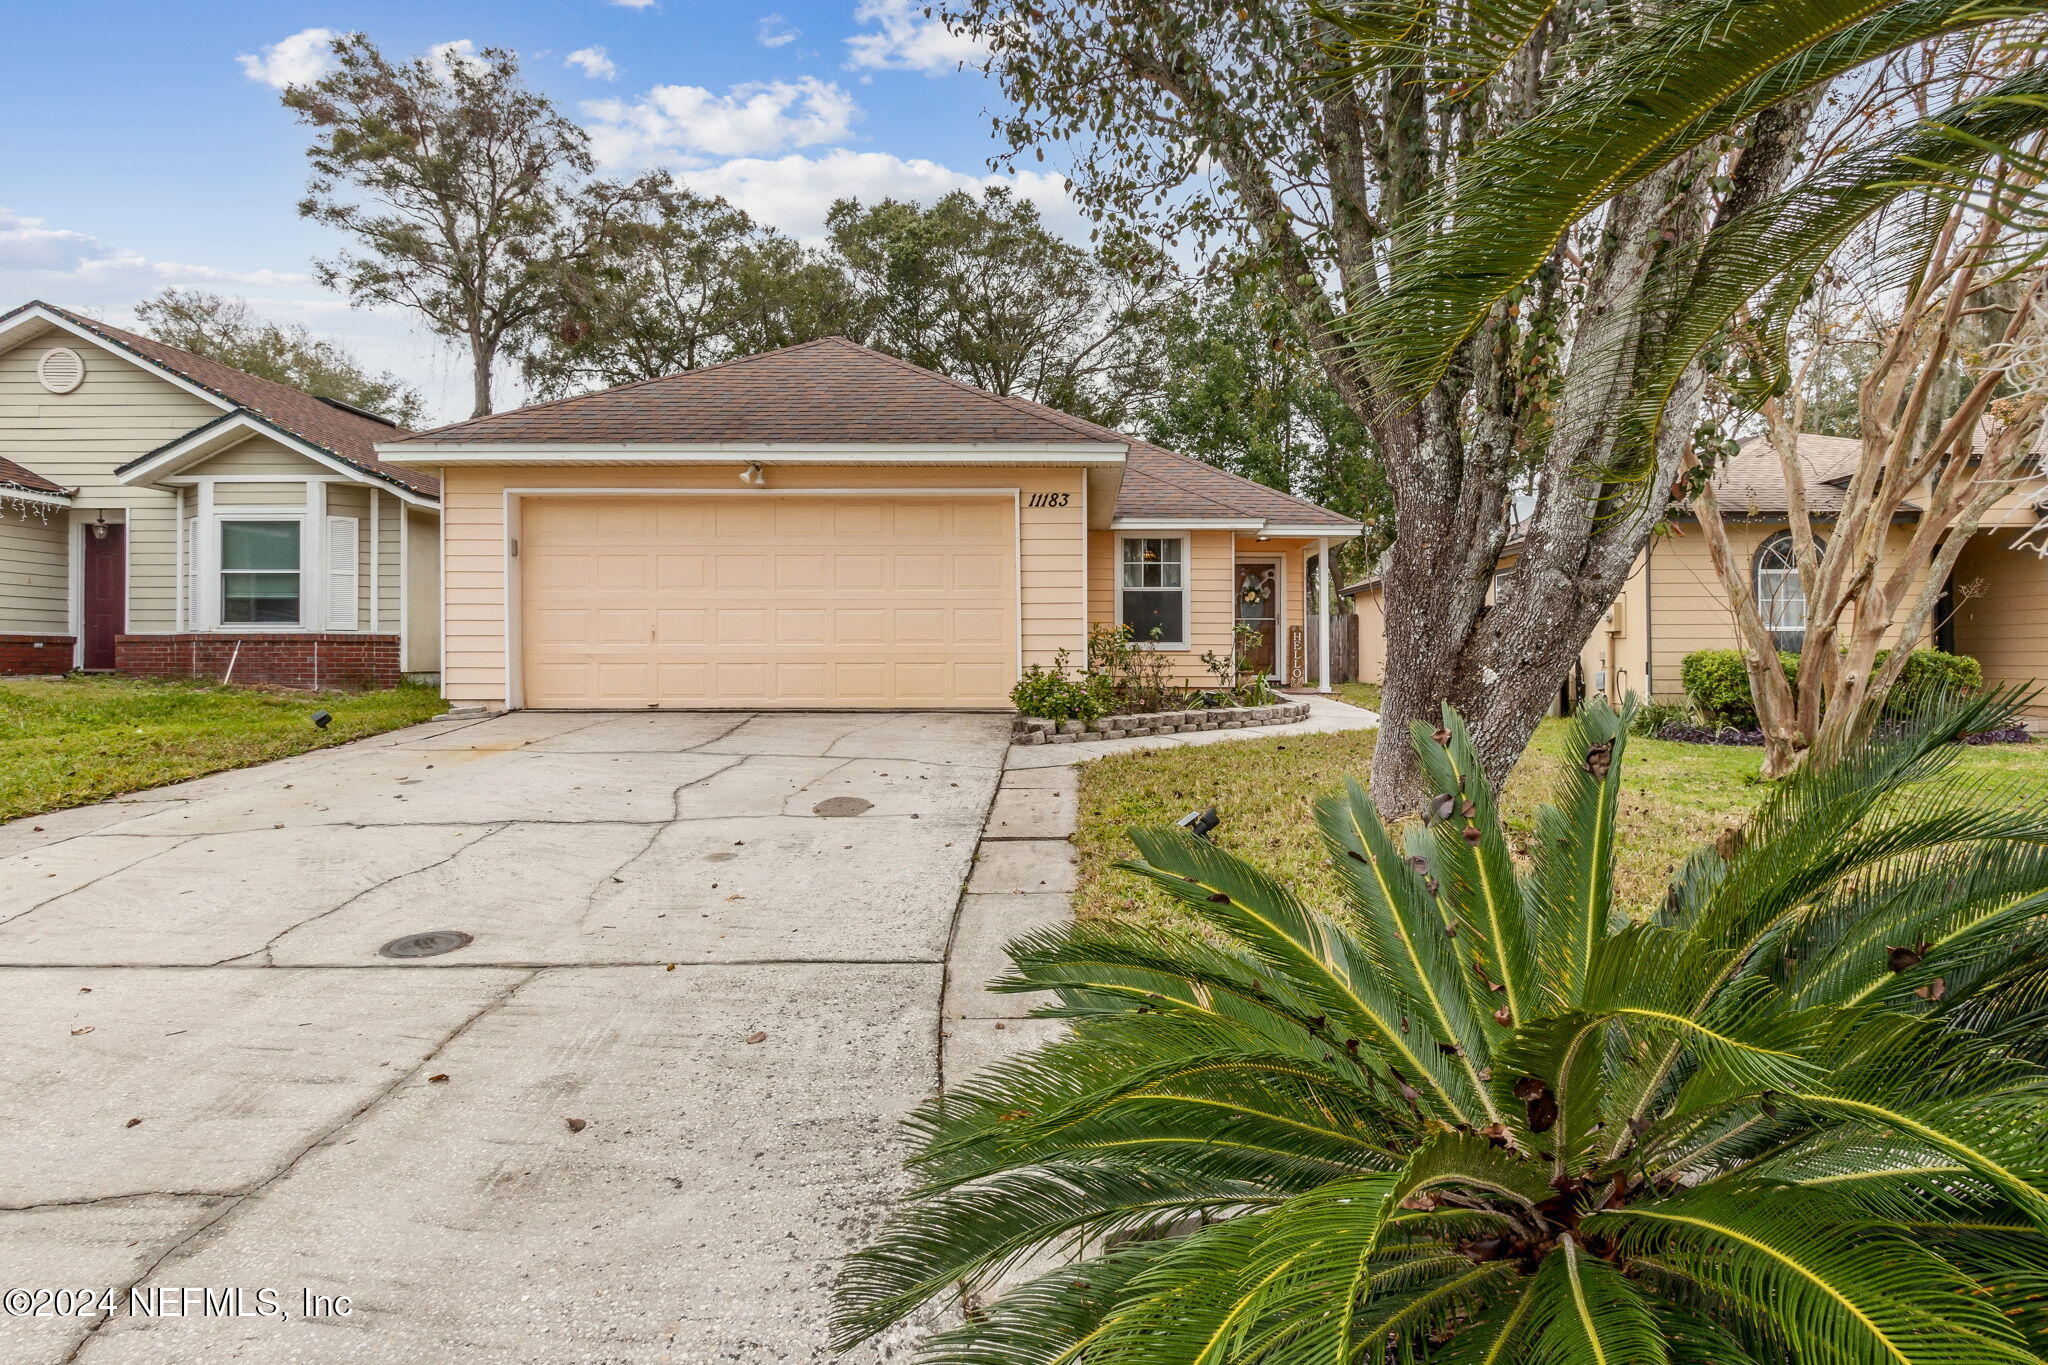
(259,572)
(1780,596)
(1152,590)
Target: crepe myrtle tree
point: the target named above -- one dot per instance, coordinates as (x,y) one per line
(1486,1115)
(1507,229)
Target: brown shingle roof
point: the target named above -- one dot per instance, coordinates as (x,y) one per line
(830,390)
(1752,482)
(1160,483)
(14,475)
(349,438)
(835,390)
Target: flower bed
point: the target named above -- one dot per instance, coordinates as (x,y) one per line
(1031,730)
(1680,733)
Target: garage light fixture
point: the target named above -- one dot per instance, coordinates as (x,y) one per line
(753,474)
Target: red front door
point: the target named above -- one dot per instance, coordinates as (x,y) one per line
(106,592)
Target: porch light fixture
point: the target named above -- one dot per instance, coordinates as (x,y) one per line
(753,474)
(99,527)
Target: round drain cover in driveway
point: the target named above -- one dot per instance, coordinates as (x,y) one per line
(841,806)
(430,943)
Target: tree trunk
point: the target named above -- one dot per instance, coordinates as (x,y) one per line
(483,355)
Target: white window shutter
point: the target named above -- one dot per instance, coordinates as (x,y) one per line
(341,573)
(191,584)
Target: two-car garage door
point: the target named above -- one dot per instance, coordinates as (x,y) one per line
(768,601)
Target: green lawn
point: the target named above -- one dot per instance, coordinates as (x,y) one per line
(1678,796)
(71,741)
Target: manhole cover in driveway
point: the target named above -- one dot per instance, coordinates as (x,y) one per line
(839,807)
(430,943)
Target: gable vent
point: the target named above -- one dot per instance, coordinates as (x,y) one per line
(60,369)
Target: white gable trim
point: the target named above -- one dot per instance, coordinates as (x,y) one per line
(36,313)
(205,443)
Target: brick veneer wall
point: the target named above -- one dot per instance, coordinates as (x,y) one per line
(282,659)
(36,653)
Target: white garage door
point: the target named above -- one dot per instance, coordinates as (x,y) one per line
(769,601)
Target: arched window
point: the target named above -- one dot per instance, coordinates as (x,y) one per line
(1780,596)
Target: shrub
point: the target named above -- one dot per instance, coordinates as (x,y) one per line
(1653,716)
(1051,694)
(1930,674)
(1719,685)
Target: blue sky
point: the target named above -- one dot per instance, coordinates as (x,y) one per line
(146,145)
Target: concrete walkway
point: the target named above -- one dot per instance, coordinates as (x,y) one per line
(639,1118)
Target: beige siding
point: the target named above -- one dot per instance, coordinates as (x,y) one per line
(390,529)
(122,412)
(35,576)
(1372,635)
(259,455)
(280,494)
(422,592)
(1689,610)
(2003,624)
(118,414)
(1051,542)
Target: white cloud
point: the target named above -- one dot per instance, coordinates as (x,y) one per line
(679,125)
(776,31)
(793,192)
(36,258)
(905,39)
(458,52)
(304,57)
(636,4)
(595,64)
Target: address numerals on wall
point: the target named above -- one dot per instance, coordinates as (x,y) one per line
(1048,500)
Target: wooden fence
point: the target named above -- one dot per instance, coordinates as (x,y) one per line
(1343,650)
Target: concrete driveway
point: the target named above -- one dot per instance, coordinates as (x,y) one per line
(638,1118)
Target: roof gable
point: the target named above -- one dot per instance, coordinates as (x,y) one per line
(340,433)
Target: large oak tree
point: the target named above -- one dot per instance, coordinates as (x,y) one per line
(1508,229)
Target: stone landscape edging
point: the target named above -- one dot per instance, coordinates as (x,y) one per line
(1032,730)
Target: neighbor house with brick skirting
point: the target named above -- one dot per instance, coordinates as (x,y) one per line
(163,514)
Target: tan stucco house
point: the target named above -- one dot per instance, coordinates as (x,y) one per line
(163,514)
(1996,609)
(825,526)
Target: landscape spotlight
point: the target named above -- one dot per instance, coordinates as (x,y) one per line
(321,720)
(1199,822)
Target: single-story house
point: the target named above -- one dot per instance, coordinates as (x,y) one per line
(825,526)
(164,514)
(1995,607)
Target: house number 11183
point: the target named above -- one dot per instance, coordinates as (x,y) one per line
(1048,500)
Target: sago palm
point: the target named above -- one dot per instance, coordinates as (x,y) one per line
(1477,1113)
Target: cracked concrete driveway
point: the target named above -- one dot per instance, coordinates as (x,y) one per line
(213,1079)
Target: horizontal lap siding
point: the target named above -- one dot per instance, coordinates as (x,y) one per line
(1051,544)
(119,413)
(2005,626)
(35,578)
(1690,611)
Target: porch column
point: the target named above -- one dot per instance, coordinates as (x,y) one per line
(1323,615)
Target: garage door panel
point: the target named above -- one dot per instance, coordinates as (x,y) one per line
(788,602)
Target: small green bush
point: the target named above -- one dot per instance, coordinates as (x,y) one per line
(1719,685)
(1928,675)
(1051,694)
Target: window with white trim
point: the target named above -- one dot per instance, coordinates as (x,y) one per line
(1780,595)
(1152,591)
(259,572)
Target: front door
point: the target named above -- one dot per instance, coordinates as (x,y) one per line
(1258,606)
(106,591)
